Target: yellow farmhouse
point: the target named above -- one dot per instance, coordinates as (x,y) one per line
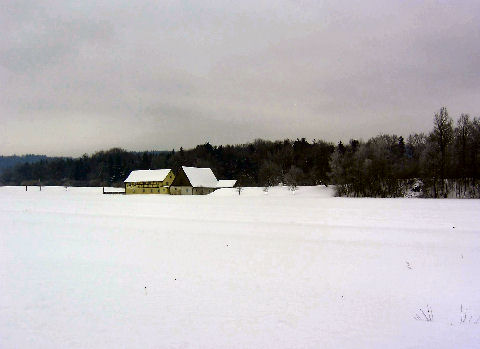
(149,181)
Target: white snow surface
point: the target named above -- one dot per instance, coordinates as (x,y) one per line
(279,269)
(200,177)
(147,175)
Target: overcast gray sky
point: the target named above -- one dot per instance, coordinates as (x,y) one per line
(81,76)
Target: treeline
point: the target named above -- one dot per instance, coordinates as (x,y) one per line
(261,162)
(444,162)
(10,161)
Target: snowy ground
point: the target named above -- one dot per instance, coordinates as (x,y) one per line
(79,269)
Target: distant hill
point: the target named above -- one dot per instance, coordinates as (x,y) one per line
(10,161)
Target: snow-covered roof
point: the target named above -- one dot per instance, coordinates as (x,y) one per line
(226,183)
(200,177)
(148,175)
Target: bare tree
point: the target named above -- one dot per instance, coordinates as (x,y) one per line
(269,173)
(443,135)
(462,139)
(293,177)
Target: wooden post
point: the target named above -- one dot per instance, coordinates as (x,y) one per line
(26,188)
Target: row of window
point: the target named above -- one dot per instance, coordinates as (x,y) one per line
(147,184)
(175,190)
(151,191)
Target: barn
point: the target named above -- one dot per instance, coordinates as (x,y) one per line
(197,181)
(149,181)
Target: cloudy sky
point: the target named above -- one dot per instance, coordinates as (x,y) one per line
(80,76)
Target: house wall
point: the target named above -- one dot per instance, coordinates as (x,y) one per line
(181,184)
(150,187)
(181,190)
(145,188)
(181,180)
(186,190)
(202,191)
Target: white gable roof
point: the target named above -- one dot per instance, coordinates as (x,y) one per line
(200,177)
(148,175)
(226,183)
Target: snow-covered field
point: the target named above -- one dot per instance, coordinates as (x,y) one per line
(79,269)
